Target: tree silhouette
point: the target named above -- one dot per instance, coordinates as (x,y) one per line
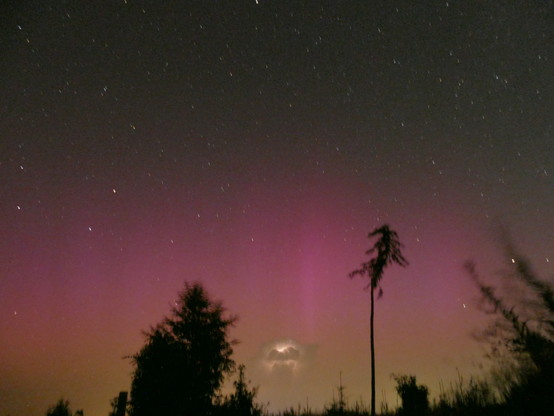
(241,401)
(180,369)
(387,251)
(61,408)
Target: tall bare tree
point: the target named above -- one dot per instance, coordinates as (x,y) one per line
(386,251)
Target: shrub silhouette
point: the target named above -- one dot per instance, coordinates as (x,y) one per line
(180,369)
(415,398)
(113,406)
(241,401)
(61,408)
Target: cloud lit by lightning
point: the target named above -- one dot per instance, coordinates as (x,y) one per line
(283,356)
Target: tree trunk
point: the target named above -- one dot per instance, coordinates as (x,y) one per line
(372,354)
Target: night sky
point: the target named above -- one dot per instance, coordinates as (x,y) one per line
(251,146)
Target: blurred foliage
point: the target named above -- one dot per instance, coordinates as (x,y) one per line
(521,337)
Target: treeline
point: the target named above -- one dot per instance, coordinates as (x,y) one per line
(186,358)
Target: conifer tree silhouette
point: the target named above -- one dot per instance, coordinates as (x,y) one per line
(180,369)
